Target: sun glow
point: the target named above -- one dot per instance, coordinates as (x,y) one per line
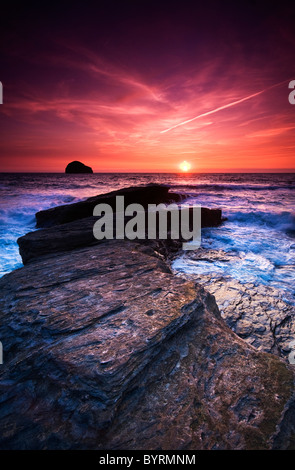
(185,166)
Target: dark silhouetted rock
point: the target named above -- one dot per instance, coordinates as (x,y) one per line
(144,195)
(78,167)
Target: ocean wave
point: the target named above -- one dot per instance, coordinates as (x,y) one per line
(232,187)
(280,220)
(23,210)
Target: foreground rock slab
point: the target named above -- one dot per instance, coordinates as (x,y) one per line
(104,348)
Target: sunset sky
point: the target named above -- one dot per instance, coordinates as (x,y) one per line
(142,86)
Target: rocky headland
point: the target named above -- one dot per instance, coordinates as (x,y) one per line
(106,348)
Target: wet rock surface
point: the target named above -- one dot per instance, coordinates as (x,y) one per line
(71,226)
(79,233)
(104,348)
(144,195)
(263,316)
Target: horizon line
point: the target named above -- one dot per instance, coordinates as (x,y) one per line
(278,170)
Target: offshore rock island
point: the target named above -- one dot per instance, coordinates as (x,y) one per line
(106,348)
(78,167)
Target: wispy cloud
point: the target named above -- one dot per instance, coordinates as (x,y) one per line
(220,108)
(112,112)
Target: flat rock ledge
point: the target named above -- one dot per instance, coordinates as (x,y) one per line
(70,226)
(104,348)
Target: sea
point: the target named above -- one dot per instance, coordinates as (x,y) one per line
(259,212)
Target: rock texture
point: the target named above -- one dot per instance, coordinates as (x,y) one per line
(261,315)
(78,167)
(104,348)
(144,195)
(71,226)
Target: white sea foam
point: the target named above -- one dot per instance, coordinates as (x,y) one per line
(259,229)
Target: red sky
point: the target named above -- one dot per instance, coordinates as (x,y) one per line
(119,88)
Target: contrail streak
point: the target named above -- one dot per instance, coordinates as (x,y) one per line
(223,107)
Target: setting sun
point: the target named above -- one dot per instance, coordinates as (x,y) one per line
(185,166)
